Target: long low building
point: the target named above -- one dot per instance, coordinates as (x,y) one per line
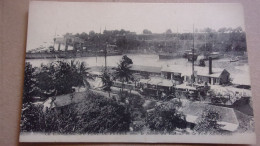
(182,73)
(146,70)
(202,74)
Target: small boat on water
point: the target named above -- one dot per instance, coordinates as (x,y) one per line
(192,56)
(185,54)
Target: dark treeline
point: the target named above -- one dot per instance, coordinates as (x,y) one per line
(222,40)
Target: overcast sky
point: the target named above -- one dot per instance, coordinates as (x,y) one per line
(48,18)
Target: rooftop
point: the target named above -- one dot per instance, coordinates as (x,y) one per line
(158,81)
(194,111)
(151,69)
(63,100)
(187,70)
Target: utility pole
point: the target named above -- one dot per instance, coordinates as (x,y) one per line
(193,77)
(105,52)
(95,39)
(54,40)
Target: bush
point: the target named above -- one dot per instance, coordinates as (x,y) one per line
(208,123)
(31,118)
(29,83)
(55,78)
(100,115)
(162,120)
(95,115)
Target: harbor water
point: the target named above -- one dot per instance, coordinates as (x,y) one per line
(239,70)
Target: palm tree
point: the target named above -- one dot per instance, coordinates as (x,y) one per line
(107,82)
(73,73)
(123,72)
(83,74)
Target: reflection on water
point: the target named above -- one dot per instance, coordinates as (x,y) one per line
(239,68)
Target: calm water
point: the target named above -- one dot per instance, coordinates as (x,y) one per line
(145,60)
(237,69)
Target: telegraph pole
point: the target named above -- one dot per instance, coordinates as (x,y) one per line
(193,77)
(105,52)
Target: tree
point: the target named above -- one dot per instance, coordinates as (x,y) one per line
(123,72)
(208,122)
(96,115)
(81,74)
(222,30)
(238,29)
(31,118)
(107,81)
(146,31)
(102,115)
(168,31)
(122,43)
(29,83)
(45,80)
(59,77)
(165,120)
(91,33)
(127,60)
(209,30)
(83,36)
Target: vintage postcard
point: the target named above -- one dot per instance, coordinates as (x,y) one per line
(137,72)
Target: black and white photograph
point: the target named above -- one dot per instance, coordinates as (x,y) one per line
(136,72)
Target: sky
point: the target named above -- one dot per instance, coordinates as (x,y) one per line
(49,19)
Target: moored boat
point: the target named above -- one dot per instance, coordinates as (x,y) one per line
(192,56)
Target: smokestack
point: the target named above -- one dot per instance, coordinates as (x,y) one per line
(210,65)
(59,47)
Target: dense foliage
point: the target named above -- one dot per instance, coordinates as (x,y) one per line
(29,82)
(95,115)
(123,72)
(106,78)
(208,123)
(207,40)
(55,78)
(165,120)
